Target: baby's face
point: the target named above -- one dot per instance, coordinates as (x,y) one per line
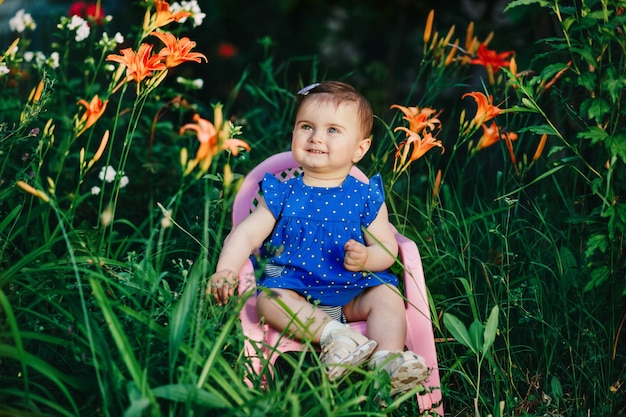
(327,138)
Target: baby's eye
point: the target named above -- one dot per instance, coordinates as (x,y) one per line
(306,127)
(332,130)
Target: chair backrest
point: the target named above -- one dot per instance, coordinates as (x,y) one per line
(283,167)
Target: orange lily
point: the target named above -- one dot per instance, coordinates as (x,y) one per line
(94,110)
(508,138)
(138,65)
(207,135)
(234,145)
(485,111)
(162,16)
(177,51)
(419,119)
(491,60)
(491,135)
(211,139)
(420,145)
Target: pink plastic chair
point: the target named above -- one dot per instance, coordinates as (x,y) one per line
(263,340)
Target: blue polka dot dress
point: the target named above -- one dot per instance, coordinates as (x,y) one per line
(306,249)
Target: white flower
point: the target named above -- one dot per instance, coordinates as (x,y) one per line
(82,32)
(123,181)
(166,220)
(107,173)
(118,38)
(22,21)
(53,61)
(75,22)
(4,69)
(106,217)
(95,190)
(28,56)
(40,58)
(196,84)
(191,7)
(111,43)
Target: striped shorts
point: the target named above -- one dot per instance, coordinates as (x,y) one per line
(335,312)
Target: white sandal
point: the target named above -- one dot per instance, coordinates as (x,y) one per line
(406,370)
(345,348)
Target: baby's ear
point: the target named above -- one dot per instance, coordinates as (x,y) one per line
(362,149)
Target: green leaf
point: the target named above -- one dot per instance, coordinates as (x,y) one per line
(190,394)
(551,70)
(520,109)
(595,242)
(458,331)
(517,3)
(8,218)
(124,347)
(598,276)
(614,84)
(530,105)
(617,145)
(594,133)
(539,130)
(476,335)
(557,388)
(491,328)
(598,109)
(587,80)
(183,310)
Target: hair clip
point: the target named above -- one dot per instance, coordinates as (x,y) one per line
(307,89)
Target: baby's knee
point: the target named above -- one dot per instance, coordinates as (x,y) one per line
(271,297)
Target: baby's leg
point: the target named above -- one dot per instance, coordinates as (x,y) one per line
(342,348)
(383,309)
(286,309)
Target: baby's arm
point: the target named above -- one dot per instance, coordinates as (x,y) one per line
(239,244)
(380,249)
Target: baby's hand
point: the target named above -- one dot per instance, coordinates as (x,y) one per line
(355,256)
(222,285)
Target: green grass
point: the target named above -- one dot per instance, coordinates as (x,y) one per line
(524,260)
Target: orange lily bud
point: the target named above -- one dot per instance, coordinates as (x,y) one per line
(184,157)
(437,184)
(100,151)
(452,53)
(11,48)
(218,117)
(449,35)
(32,190)
(513,66)
(469,37)
(542,144)
(488,39)
(228,176)
(429,26)
(35,95)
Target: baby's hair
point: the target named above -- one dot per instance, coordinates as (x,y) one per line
(340,92)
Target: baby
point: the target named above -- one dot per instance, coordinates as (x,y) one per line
(326,245)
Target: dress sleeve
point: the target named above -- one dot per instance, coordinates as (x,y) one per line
(274,193)
(375,200)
